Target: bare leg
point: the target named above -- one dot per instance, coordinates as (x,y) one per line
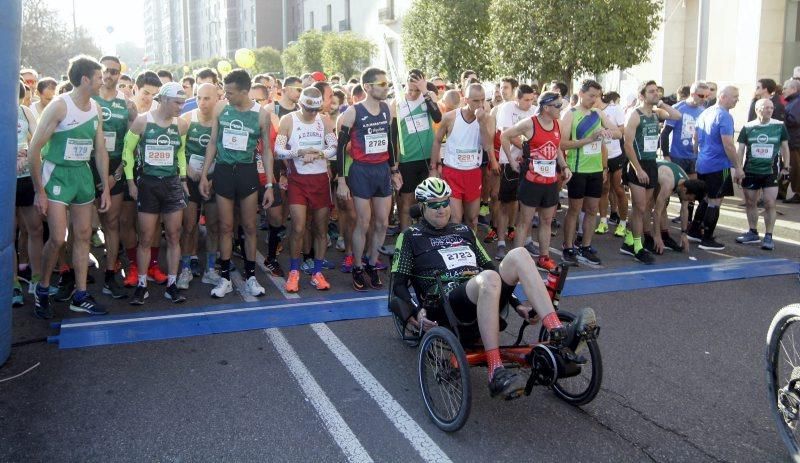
(381,208)
(770,195)
(82,231)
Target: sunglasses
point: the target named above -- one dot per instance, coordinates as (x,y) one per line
(703,97)
(113,72)
(30,82)
(260,100)
(438,204)
(383,84)
(130,86)
(298,88)
(441,87)
(555,105)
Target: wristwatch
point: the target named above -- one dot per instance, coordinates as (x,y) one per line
(118,176)
(268,185)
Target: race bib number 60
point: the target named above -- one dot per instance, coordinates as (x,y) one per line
(458,257)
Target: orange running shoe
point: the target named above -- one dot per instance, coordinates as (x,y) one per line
(318,281)
(155,274)
(293,282)
(546,263)
(131,276)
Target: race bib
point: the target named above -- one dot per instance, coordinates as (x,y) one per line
(196,162)
(159,155)
(545,168)
(78,149)
(376,143)
(311,142)
(235,140)
(594,148)
(418,123)
(650,143)
(466,159)
(458,257)
(111,140)
(260,165)
(762,150)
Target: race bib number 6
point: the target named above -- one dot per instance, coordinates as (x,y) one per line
(235,140)
(375,143)
(78,149)
(458,257)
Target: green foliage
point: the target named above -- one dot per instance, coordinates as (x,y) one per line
(346,54)
(268,60)
(512,42)
(290,58)
(305,55)
(445,37)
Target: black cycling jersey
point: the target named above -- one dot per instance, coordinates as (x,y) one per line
(423,252)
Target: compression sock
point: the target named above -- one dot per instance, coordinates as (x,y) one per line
(185,261)
(249,268)
(691,210)
(628,238)
(710,222)
(317,266)
(294,264)
(637,244)
(699,214)
(493,361)
(225,268)
(274,241)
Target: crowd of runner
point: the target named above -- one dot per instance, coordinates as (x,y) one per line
(120,163)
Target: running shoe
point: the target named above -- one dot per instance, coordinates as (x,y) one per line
(671,244)
(359,279)
(767,244)
(308,266)
(393,230)
(613,218)
(644,256)
(711,244)
(97,241)
(347,264)
(194,266)
(155,274)
(34,282)
(749,237)
(491,237)
(25,274)
(676,220)
(546,263)
(87,304)
(569,256)
(387,250)
(649,243)
(374,278)
(131,276)
(619,232)
(627,249)
(535,222)
(318,281)
(506,384)
(184,278)
(511,234)
(292,282)
(587,255)
(378,264)
(484,210)
(695,235)
(584,324)
(501,253)
(66,286)
(174,294)
(223,287)
(113,289)
(16,298)
(274,268)
(253,287)
(340,244)
(139,295)
(602,228)
(211,277)
(532,249)
(41,303)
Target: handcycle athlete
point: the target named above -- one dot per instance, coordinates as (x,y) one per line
(435,249)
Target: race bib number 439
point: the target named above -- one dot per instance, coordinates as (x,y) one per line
(762,150)
(458,257)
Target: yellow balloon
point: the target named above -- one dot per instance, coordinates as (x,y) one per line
(186,69)
(123,67)
(245,57)
(224,67)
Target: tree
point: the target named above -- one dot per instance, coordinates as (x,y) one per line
(445,37)
(291,60)
(346,53)
(268,59)
(565,39)
(47,46)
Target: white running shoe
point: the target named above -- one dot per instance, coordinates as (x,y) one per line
(223,287)
(211,277)
(253,288)
(184,278)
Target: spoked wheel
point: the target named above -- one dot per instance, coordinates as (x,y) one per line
(407,332)
(581,383)
(783,375)
(444,379)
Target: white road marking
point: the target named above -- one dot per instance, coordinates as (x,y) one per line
(422,443)
(717,266)
(334,423)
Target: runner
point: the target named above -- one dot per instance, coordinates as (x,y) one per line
(203,76)
(197,138)
(713,141)
(765,141)
(46,89)
(59,153)
(538,184)
(118,114)
(160,137)
(506,91)
(467,131)
(414,116)
(672,179)
(616,163)
(125,86)
(641,148)
(504,202)
(307,141)
(583,130)
(372,174)
(236,128)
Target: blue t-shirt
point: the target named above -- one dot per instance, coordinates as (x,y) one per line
(189,105)
(712,124)
(683,129)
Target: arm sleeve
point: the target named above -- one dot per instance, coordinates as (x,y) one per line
(395,136)
(341,149)
(665,138)
(131,140)
(281,152)
(392,145)
(182,157)
(433,110)
(330,146)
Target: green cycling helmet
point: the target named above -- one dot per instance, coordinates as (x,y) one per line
(431,188)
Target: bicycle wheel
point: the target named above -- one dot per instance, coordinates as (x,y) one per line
(444,379)
(581,388)
(783,375)
(407,332)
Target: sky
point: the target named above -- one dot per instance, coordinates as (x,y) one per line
(97,15)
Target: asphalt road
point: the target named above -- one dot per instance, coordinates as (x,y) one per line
(683,381)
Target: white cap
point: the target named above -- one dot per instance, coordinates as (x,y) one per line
(309,101)
(796,73)
(171,90)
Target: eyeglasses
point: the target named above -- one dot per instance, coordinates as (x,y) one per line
(298,88)
(438,204)
(383,84)
(113,72)
(702,97)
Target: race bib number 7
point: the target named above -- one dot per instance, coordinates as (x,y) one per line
(458,257)
(78,149)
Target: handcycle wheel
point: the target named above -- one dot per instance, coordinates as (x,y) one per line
(583,387)
(783,375)
(444,379)
(407,332)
